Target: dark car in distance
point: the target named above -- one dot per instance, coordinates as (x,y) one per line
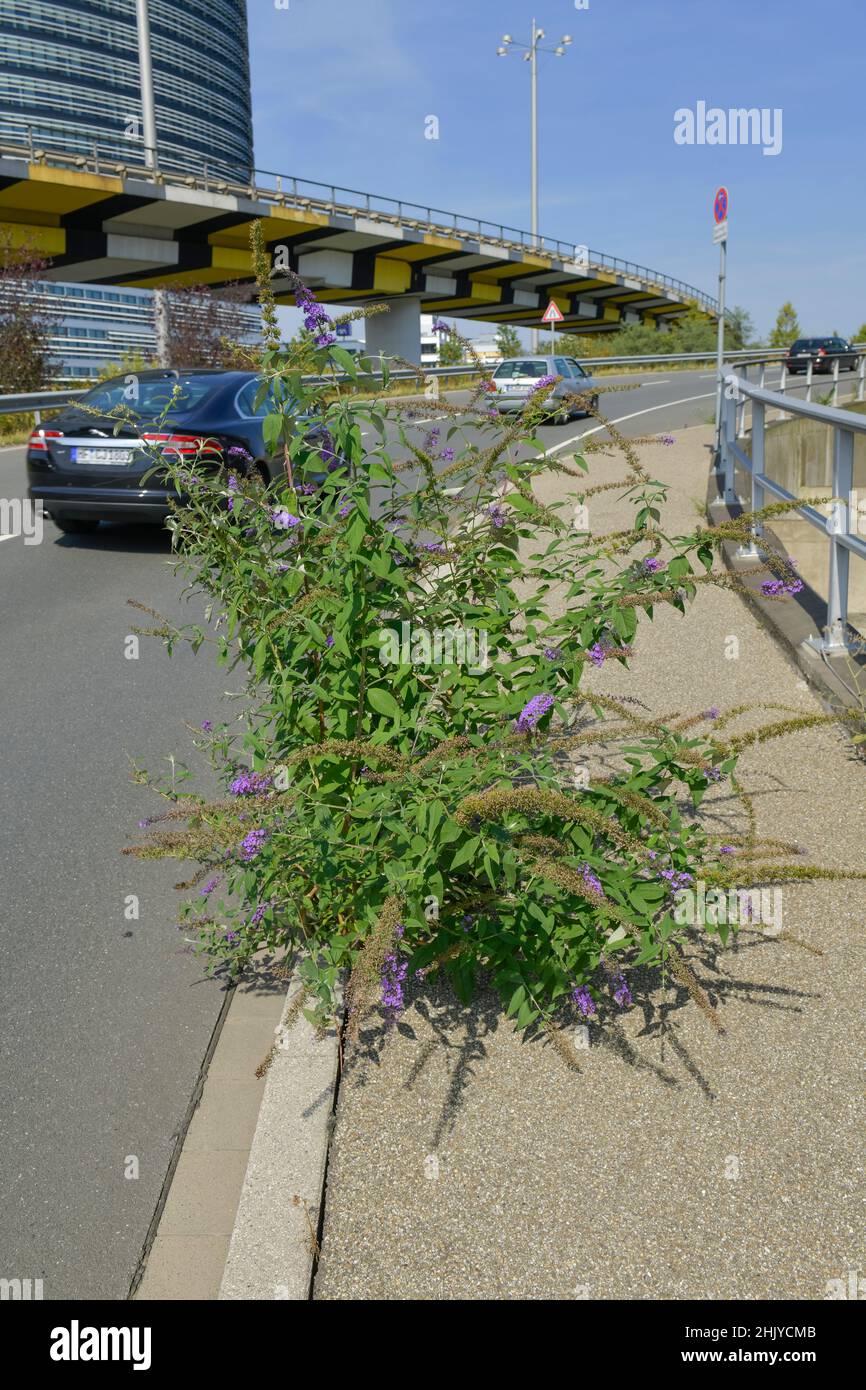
(822,353)
(84,469)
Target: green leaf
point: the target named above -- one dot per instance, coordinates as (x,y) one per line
(383,702)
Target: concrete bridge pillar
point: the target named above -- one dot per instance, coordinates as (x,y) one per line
(398,331)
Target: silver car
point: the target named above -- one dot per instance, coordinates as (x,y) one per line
(516,378)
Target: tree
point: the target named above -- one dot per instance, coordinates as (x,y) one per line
(508,340)
(860,335)
(205,328)
(450,351)
(739,328)
(786,327)
(24,325)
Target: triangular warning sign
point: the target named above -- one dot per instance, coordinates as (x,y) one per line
(553,313)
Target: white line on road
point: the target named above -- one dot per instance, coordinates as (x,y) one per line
(576,438)
(11,536)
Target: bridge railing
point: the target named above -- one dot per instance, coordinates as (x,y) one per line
(841,525)
(132,159)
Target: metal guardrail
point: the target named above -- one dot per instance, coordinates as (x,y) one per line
(131,158)
(840,526)
(36,401)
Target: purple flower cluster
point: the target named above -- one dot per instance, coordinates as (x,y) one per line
(591,880)
(232,487)
(496,514)
(597,654)
(253,844)
(667,439)
(431,440)
(447,455)
(440,326)
(772,588)
(676,880)
(316,320)
(250,784)
(209,887)
(258,915)
(552,653)
(651,564)
(242,455)
(712,713)
(622,993)
(284,520)
(393,978)
(543,382)
(584,1000)
(532,712)
(206,726)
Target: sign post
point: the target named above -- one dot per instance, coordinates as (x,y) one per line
(552,315)
(720,235)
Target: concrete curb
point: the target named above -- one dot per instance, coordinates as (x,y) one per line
(274,1241)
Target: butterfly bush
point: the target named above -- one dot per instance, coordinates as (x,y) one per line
(390,822)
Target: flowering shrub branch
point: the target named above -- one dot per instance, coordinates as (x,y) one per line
(387,820)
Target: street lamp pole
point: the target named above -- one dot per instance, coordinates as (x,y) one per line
(530,55)
(148,114)
(145,68)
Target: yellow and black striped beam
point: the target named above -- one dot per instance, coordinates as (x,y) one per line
(125,230)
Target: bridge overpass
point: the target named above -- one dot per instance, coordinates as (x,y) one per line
(107,223)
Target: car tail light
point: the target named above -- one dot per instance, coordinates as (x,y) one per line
(38,437)
(183,444)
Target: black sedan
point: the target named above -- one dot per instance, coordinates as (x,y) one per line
(84,470)
(822,353)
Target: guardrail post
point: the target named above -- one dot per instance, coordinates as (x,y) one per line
(835,638)
(835,379)
(741,408)
(729,417)
(763,376)
(809,382)
(861,377)
(750,551)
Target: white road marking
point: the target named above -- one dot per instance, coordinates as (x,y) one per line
(11,536)
(652,382)
(575,438)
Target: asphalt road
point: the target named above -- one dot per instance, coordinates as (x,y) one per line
(104,1021)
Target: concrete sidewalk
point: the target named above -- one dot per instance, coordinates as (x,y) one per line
(468,1163)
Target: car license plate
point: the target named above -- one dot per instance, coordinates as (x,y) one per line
(81,454)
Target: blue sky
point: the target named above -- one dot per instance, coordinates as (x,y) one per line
(341,90)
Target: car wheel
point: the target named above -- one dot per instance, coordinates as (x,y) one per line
(75,525)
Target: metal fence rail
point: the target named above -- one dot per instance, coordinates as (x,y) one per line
(32,402)
(130,159)
(840,526)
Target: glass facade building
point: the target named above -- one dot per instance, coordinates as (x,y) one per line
(69,80)
(95,326)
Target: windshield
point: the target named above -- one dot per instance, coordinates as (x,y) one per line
(149,396)
(534,367)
